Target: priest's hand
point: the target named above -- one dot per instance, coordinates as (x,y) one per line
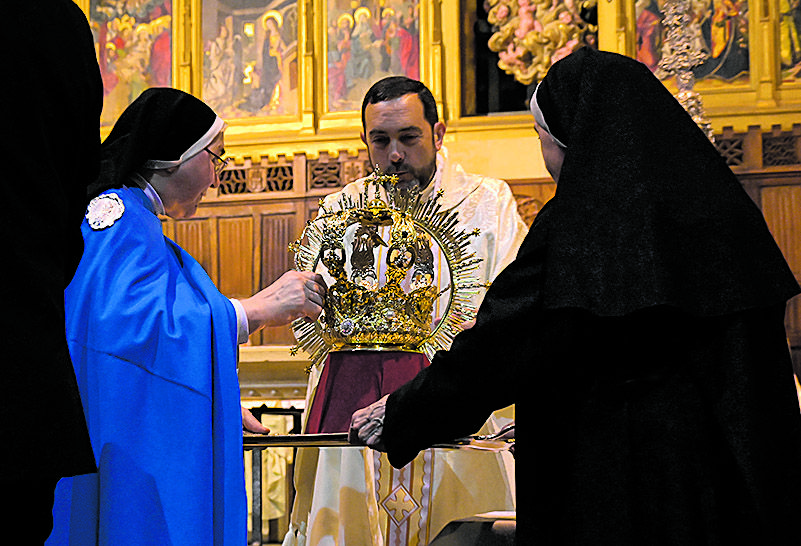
(251,424)
(294,295)
(367,425)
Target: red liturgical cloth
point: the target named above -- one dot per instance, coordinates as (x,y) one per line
(352,380)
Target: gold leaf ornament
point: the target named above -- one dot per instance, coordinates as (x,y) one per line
(365,310)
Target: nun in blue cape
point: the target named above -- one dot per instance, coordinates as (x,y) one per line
(154,346)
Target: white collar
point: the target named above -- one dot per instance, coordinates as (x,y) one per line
(150,193)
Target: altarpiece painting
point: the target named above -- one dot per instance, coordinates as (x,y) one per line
(250,57)
(246,61)
(719,29)
(790,39)
(367,41)
(134,49)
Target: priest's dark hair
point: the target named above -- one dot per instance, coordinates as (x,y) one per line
(393,87)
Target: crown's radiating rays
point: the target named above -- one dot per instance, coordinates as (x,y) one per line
(361,314)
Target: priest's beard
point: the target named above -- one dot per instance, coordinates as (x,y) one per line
(420,177)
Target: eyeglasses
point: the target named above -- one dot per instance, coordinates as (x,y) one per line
(218,162)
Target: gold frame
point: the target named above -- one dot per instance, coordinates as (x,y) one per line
(314,130)
(180,46)
(350,120)
(764,100)
(247,131)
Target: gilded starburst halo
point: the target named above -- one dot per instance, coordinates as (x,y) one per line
(386,304)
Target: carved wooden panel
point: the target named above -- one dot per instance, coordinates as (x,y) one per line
(236,256)
(328,173)
(781,206)
(324,175)
(781,148)
(197,236)
(756,149)
(257,179)
(278,229)
(312,207)
(732,147)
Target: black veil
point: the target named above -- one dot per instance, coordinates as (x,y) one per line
(646,211)
(161,124)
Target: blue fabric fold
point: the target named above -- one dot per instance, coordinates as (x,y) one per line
(153,343)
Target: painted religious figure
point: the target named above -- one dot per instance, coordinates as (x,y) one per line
(133,41)
(719,28)
(530,35)
(649,33)
(250,60)
(790,39)
(366,42)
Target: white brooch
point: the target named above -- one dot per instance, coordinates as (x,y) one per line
(104,210)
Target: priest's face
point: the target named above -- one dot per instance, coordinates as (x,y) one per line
(401,141)
(552,154)
(182,191)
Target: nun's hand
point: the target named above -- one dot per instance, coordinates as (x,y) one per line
(294,295)
(367,426)
(251,424)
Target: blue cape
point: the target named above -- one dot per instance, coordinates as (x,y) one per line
(154,347)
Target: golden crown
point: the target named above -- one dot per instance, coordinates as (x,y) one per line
(365,312)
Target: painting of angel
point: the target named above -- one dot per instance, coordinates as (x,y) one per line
(367,41)
(250,60)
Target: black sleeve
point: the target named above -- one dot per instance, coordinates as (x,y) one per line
(483,368)
(51,108)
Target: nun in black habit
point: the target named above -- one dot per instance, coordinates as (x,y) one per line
(640,333)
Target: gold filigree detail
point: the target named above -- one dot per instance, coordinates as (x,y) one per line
(364,312)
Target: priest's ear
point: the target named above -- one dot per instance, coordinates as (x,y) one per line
(439,134)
